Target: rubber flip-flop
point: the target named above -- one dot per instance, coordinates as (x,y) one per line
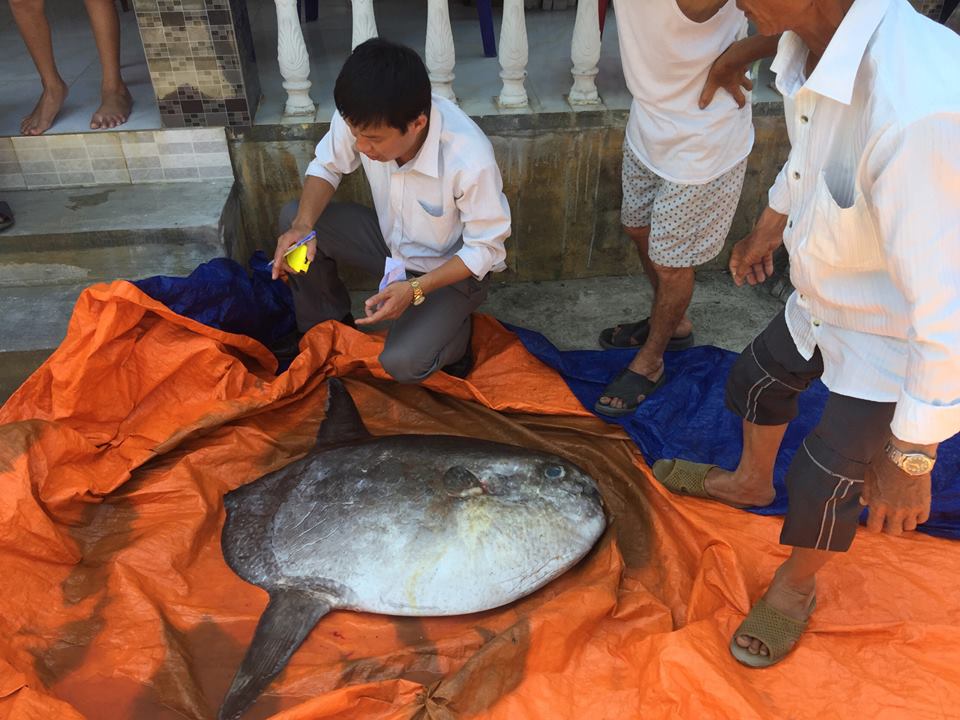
(627,385)
(634,335)
(683,477)
(777,631)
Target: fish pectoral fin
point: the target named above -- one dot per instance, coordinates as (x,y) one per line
(284,625)
(342,423)
(460,482)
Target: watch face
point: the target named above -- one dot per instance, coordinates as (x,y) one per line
(916,465)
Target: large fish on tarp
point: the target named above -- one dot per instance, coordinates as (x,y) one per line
(403,525)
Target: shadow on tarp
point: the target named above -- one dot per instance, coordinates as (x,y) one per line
(686,418)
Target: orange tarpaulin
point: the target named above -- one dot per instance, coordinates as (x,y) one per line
(117,603)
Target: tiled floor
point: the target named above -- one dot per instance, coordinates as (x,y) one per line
(477,80)
(77,60)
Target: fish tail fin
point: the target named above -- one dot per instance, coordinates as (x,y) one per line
(284,625)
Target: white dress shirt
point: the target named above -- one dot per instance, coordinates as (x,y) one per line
(666,58)
(448,200)
(872,191)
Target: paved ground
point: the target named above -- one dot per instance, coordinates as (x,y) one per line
(570,313)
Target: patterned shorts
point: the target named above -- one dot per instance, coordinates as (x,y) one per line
(688,223)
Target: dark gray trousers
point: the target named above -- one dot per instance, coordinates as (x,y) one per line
(825,478)
(422,340)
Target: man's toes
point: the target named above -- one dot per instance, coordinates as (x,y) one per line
(744,641)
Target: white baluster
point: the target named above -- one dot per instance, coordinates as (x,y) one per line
(364,21)
(293,59)
(513,55)
(585,53)
(441,56)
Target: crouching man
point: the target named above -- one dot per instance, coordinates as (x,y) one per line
(438,225)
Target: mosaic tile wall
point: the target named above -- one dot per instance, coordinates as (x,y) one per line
(201,60)
(113,158)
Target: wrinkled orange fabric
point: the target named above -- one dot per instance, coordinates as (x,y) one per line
(117,603)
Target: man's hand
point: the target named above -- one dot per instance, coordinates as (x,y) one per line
(731,75)
(284,242)
(752,258)
(388,304)
(898,502)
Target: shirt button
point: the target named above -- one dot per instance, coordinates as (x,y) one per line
(804,119)
(796,175)
(816,323)
(789,223)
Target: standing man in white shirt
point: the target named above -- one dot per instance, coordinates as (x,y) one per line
(684,159)
(439,222)
(867,205)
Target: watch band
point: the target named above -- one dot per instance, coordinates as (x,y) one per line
(418,296)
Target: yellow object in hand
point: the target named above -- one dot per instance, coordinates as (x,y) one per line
(297,259)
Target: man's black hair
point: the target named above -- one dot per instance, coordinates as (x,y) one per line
(382,83)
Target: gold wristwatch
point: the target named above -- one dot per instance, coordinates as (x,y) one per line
(912,463)
(418,296)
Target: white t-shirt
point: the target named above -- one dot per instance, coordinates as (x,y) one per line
(446,201)
(666,58)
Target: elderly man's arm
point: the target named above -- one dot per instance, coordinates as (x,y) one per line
(916,181)
(729,70)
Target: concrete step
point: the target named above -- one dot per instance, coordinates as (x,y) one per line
(75,219)
(66,239)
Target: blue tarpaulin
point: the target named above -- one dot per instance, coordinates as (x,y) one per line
(686,418)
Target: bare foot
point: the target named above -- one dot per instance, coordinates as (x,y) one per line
(46,109)
(794,602)
(727,487)
(114,109)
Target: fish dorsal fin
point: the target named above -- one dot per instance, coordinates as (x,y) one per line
(284,625)
(460,482)
(342,423)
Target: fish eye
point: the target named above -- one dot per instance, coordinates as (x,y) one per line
(554,472)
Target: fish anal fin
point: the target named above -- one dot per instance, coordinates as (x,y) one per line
(284,625)
(342,423)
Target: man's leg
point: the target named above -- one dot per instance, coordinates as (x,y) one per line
(432,335)
(641,239)
(763,388)
(640,188)
(824,484)
(670,302)
(346,232)
(115,99)
(689,224)
(35,31)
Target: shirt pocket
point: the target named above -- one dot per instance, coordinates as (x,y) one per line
(432,223)
(843,237)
